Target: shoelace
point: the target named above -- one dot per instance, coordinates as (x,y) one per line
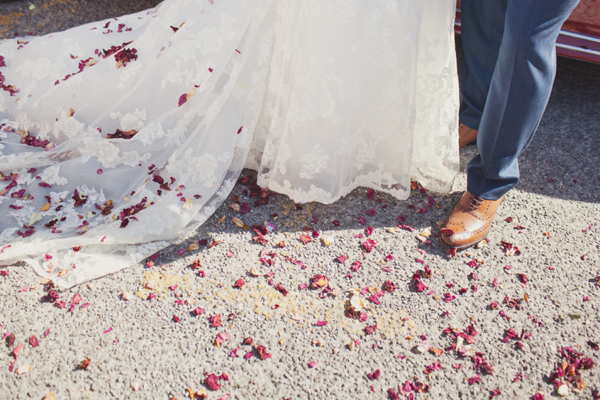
(474,203)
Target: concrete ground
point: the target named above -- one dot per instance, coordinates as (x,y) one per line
(518,308)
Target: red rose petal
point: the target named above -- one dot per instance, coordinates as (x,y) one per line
(33,341)
(212,382)
(215,320)
(262,352)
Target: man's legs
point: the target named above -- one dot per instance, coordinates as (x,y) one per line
(518,93)
(504,95)
(482,29)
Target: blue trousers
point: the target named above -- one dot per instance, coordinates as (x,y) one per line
(508,72)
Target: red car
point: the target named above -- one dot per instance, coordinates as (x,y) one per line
(580,35)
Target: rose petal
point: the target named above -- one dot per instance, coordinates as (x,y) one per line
(212,382)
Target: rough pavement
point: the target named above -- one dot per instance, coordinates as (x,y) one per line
(141,334)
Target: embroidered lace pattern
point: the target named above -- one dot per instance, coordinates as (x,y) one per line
(121,136)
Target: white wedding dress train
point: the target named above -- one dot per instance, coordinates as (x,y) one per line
(121,136)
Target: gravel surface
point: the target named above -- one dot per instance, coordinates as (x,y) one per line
(139,330)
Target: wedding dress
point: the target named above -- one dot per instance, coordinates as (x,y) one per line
(122,136)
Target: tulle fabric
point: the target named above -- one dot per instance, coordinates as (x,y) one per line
(107,156)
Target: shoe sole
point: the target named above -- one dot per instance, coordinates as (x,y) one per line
(464,246)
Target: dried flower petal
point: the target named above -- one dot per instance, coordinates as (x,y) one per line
(262,352)
(222,338)
(24,369)
(389,286)
(17,351)
(448,297)
(215,320)
(355,266)
(370,330)
(33,341)
(369,245)
(319,281)
(436,366)
(306,239)
(85,364)
(212,382)
(239,284)
(341,259)
(10,340)
(76,299)
(281,289)
(374,375)
(436,351)
(374,298)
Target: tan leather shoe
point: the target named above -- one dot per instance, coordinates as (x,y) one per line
(470,221)
(466,135)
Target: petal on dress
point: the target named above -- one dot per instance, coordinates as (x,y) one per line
(122,136)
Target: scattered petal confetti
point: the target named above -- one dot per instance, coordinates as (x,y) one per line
(341,259)
(306,239)
(318,281)
(262,352)
(215,320)
(374,375)
(239,284)
(389,286)
(17,351)
(85,364)
(370,330)
(222,338)
(281,289)
(355,266)
(10,339)
(24,369)
(369,245)
(212,382)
